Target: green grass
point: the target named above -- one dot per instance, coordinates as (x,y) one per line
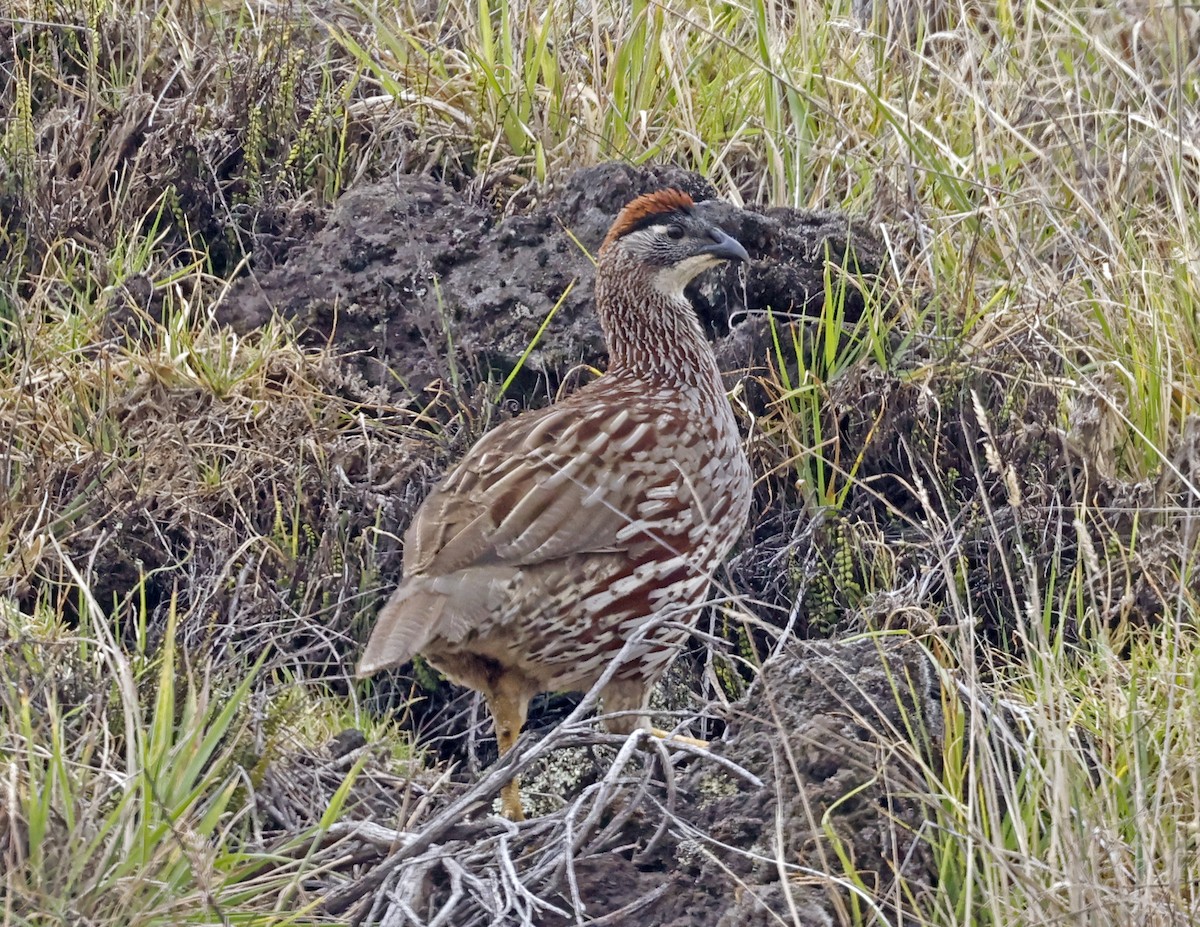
(1036,171)
(120,806)
(1093,812)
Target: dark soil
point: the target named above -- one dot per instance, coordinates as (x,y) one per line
(422,285)
(837,733)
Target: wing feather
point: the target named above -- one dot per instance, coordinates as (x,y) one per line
(536,490)
(555,494)
(424,607)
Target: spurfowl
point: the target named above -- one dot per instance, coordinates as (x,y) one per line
(566,530)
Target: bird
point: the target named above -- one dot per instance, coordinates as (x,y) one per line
(565,531)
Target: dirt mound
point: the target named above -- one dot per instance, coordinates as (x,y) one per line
(424,284)
(837,733)
(816,787)
(977,455)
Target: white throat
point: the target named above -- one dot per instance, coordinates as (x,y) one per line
(671,280)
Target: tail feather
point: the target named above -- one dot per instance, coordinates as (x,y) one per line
(404,626)
(425,608)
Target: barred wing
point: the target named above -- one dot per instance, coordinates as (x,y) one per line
(577,478)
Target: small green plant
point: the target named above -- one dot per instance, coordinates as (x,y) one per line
(533,342)
(119,798)
(808,359)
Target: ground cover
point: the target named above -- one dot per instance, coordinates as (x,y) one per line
(968,381)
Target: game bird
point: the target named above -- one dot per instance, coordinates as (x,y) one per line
(566,530)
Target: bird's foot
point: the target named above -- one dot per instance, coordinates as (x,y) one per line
(510,801)
(679,738)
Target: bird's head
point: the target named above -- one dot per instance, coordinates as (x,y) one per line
(666,237)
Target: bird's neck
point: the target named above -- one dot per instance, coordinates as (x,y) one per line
(651,334)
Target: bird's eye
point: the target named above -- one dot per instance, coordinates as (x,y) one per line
(675,232)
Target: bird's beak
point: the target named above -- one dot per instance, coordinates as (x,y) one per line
(725,247)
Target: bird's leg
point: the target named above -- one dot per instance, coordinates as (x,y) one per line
(508,704)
